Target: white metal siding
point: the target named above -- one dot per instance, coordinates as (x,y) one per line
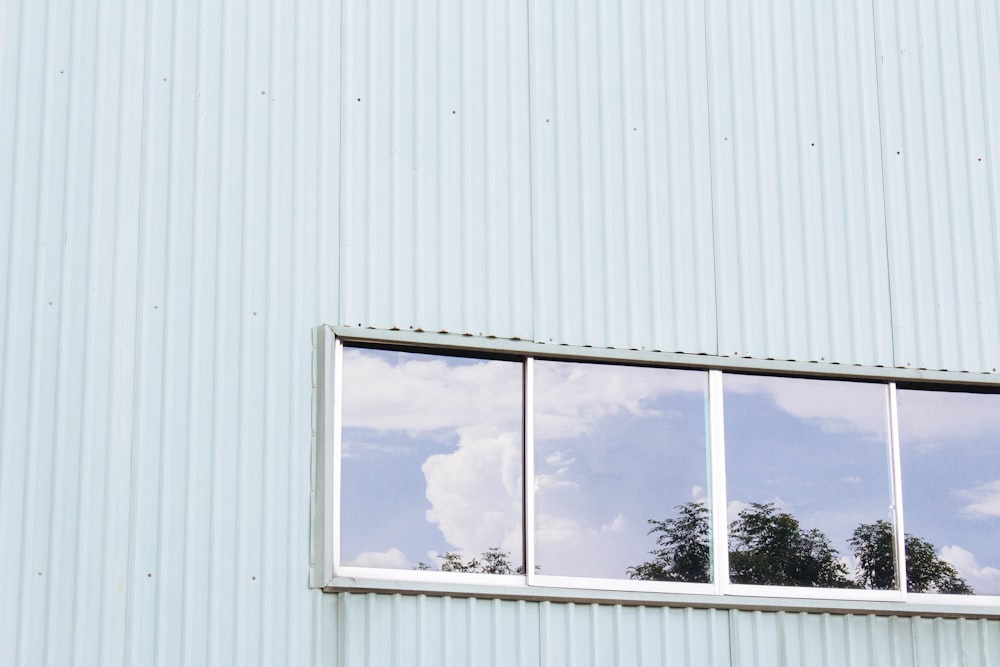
(188,188)
(435,207)
(800,230)
(939,82)
(621,189)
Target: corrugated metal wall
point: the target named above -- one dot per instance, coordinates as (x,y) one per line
(188,188)
(939,86)
(444,631)
(798,211)
(169,239)
(621,180)
(435,207)
(762,639)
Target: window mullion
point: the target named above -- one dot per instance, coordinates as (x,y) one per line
(717,483)
(332,443)
(528,466)
(897,490)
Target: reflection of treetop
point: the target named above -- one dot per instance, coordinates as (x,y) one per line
(491,561)
(682,548)
(925,571)
(768,547)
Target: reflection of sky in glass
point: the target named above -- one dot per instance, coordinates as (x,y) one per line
(615,446)
(950,458)
(818,449)
(431,458)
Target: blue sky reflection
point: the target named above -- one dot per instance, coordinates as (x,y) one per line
(950,459)
(818,449)
(432,458)
(614,447)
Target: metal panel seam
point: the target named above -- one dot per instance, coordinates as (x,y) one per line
(342,251)
(885,203)
(711,183)
(532,223)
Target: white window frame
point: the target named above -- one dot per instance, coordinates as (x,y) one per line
(327,571)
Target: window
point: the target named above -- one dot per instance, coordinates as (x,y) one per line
(524,468)
(431,460)
(615,447)
(807,465)
(950,454)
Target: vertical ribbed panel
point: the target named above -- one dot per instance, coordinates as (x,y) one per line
(939,82)
(969,643)
(392,630)
(621,184)
(436,187)
(187,189)
(440,631)
(800,240)
(763,639)
(167,245)
(580,634)
(785,639)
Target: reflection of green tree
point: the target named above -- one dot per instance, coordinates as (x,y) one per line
(768,547)
(491,561)
(771,548)
(682,547)
(926,572)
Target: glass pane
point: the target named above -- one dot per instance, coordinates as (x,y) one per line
(808,482)
(620,468)
(432,461)
(950,458)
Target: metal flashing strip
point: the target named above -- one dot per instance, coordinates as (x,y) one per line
(673,359)
(916,605)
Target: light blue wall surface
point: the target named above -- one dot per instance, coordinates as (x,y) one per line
(188,188)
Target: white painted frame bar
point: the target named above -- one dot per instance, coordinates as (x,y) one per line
(896,482)
(528,468)
(324,493)
(337,447)
(719,506)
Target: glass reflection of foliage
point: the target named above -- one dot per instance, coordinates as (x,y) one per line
(682,547)
(768,547)
(926,572)
(492,561)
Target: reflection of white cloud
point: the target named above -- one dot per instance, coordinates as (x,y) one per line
(698,493)
(475,491)
(983,579)
(424,393)
(392,558)
(616,525)
(569,547)
(933,416)
(560,477)
(836,406)
(734,508)
(559,458)
(355,449)
(984,500)
(559,480)
(550,529)
(570,398)
(850,564)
